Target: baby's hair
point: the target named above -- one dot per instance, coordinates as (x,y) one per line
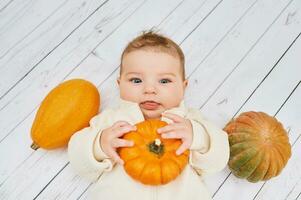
(149,40)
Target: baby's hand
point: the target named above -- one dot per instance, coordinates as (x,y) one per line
(110,141)
(180,129)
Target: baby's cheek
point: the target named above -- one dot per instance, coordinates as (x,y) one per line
(129,95)
(172,99)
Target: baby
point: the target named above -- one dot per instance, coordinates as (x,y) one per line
(152,85)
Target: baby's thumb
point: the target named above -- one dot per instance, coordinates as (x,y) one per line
(116,158)
(181,149)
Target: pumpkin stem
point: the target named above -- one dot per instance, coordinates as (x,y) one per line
(34,146)
(157,142)
(156,147)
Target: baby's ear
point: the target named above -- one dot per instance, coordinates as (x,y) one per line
(185,83)
(118,80)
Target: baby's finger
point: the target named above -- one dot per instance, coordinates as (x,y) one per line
(122,143)
(120,131)
(120,123)
(116,157)
(182,148)
(166,128)
(173,117)
(172,134)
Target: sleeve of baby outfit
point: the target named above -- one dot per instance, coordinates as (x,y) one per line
(209,152)
(84,151)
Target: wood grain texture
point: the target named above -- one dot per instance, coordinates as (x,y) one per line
(240,56)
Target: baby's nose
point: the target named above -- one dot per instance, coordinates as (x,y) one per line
(150,89)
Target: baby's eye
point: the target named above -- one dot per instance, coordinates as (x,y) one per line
(135,80)
(165,81)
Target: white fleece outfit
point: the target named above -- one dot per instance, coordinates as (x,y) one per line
(209,153)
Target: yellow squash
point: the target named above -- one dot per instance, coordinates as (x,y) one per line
(66,109)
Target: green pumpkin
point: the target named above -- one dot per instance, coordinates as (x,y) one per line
(259,146)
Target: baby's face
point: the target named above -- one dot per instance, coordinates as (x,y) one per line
(153,80)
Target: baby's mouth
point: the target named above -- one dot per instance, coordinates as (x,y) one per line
(149,105)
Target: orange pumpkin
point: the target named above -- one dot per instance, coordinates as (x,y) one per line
(66,109)
(152,160)
(259,146)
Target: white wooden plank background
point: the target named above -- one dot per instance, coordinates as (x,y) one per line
(240,56)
